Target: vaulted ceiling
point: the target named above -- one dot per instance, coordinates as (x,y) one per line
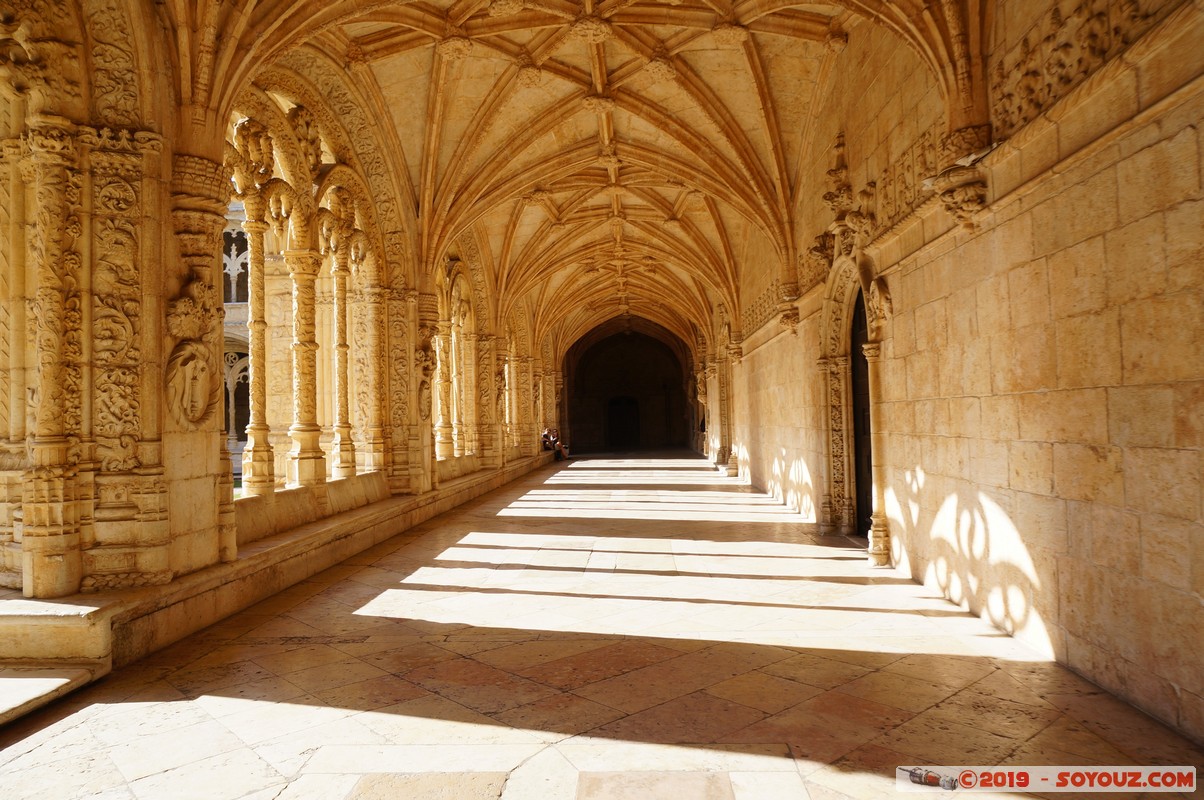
(617,157)
(610,158)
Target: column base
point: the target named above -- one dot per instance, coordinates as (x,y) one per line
(258,465)
(306,469)
(879,549)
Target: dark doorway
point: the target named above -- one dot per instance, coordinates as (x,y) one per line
(626,390)
(623,423)
(863,478)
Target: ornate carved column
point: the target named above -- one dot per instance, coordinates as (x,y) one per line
(403,444)
(455,340)
(306,462)
(200,192)
(528,436)
(253,169)
(424,316)
(488,422)
(338,238)
(51,559)
(444,447)
(370,368)
(879,546)
(835,506)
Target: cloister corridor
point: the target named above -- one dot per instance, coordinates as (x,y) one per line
(602,628)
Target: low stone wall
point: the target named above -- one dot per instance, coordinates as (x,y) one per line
(282,540)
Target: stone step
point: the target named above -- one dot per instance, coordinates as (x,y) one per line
(22,689)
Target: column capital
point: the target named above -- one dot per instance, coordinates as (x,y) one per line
(303,263)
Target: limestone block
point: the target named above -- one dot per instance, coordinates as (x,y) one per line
(1116,538)
(1028,291)
(1163,481)
(1160,337)
(931,325)
(1040,151)
(965,416)
(1083,210)
(922,375)
(992,305)
(1135,261)
(1000,417)
(1191,714)
(1166,550)
(1082,592)
(1185,245)
(962,322)
(1189,415)
(1175,61)
(1088,472)
(1043,525)
(1076,415)
(1030,467)
(1088,349)
(1026,360)
(253,518)
(932,416)
(295,507)
(972,368)
(1077,282)
(1177,656)
(989,462)
(1160,176)
(1081,121)
(1141,416)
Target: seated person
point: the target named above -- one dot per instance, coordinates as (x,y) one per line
(551,441)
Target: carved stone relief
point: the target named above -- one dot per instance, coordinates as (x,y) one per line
(113,72)
(1058,54)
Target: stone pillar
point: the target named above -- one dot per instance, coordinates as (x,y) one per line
(879,546)
(51,561)
(836,505)
(128,541)
(374,454)
(444,446)
(258,457)
(488,422)
(456,352)
(342,447)
(200,194)
(306,462)
(528,435)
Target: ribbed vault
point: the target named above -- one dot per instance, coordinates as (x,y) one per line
(607,158)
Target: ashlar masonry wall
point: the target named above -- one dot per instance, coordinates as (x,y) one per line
(1043,388)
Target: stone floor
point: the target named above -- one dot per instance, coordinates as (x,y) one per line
(604,628)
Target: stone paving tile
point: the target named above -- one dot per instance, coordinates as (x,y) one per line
(680,640)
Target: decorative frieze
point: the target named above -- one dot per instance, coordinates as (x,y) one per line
(900,188)
(815,263)
(1058,54)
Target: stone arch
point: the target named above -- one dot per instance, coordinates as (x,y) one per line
(840,293)
(311,79)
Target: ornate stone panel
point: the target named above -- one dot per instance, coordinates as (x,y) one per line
(1059,53)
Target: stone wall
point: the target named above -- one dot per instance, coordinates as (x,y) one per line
(1042,383)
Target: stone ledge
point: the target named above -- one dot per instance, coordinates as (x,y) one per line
(78,639)
(23,690)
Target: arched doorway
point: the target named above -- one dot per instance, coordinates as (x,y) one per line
(623,423)
(626,391)
(863,480)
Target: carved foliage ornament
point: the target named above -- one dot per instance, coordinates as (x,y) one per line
(116,300)
(56,311)
(194,379)
(1058,54)
(816,262)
